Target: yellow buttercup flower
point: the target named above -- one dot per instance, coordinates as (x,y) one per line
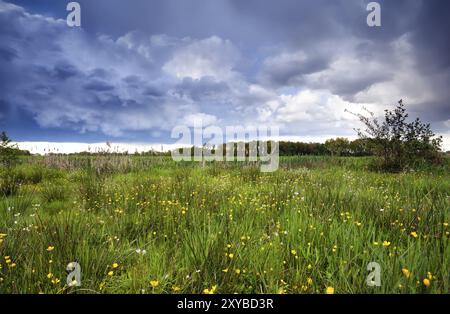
(115,265)
(414,234)
(154,283)
(426,282)
(329,290)
(430,275)
(49,275)
(210,291)
(237,271)
(386,243)
(231,255)
(406,272)
(50,248)
(225,270)
(110,273)
(309,281)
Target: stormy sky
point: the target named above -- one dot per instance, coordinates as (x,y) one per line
(135,69)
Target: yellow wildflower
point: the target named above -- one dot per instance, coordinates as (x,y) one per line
(329,290)
(386,243)
(50,248)
(110,273)
(406,272)
(426,282)
(210,291)
(115,265)
(414,234)
(154,283)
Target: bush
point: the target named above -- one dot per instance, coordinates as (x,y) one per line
(398,143)
(9,153)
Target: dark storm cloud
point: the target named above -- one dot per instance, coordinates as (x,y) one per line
(99,86)
(290,68)
(8,54)
(197,90)
(153,91)
(48,79)
(430,35)
(145,65)
(64,71)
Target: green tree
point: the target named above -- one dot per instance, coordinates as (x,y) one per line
(339,146)
(400,143)
(8,152)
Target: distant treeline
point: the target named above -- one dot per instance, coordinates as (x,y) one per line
(332,147)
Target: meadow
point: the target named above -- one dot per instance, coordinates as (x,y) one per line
(151,225)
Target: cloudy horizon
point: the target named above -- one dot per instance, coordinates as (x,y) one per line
(132,72)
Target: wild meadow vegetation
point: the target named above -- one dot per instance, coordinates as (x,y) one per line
(148,224)
(151,225)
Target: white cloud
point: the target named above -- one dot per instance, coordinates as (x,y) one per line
(406,82)
(200,119)
(213,56)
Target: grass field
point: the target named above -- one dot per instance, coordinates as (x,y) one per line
(150,225)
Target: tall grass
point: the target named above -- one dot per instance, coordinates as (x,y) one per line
(150,225)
